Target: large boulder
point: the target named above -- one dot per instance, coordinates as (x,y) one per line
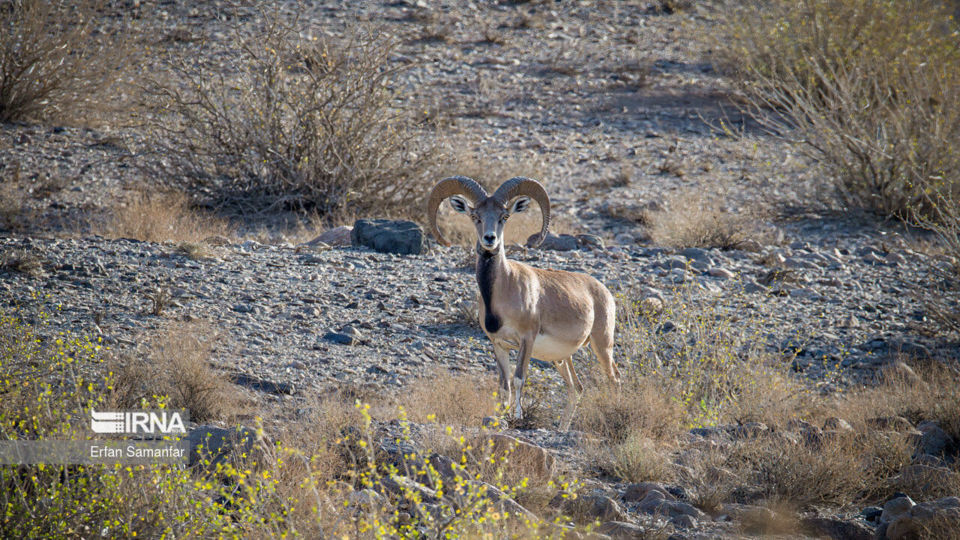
(389,236)
(932,519)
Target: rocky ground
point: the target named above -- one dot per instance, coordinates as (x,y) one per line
(612,105)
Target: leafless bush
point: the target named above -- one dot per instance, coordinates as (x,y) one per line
(870,89)
(57,59)
(302,124)
(942,299)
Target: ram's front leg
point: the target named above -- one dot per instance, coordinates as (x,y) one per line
(520,375)
(503,369)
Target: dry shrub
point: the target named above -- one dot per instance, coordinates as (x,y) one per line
(58,59)
(637,459)
(690,219)
(642,409)
(841,469)
(934,397)
(176,364)
(164,217)
(304,125)
(869,88)
(941,291)
(455,400)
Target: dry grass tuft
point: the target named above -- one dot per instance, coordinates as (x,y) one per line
(642,409)
(450,399)
(167,217)
(58,60)
(841,469)
(176,364)
(941,291)
(637,459)
(691,220)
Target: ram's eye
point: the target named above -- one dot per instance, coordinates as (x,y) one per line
(476,218)
(503,218)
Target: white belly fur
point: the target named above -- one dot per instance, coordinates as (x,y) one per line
(550,349)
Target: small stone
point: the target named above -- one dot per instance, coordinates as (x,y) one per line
(751,286)
(935,441)
(871,513)
(622,529)
(338,236)
(651,305)
(591,241)
(685,521)
(837,424)
(639,491)
(211,444)
(721,273)
(624,239)
(872,259)
(338,338)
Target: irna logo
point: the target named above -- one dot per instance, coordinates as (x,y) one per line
(132,422)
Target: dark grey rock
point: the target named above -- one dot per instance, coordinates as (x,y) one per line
(934,441)
(339,339)
(210,445)
(697,254)
(621,529)
(839,529)
(896,507)
(389,236)
(263,385)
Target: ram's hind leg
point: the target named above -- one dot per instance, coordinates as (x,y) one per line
(601,342)
(574,391)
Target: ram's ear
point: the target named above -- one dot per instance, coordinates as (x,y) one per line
(522,204)
(459,204)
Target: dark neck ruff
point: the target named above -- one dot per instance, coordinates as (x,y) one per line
(486,275)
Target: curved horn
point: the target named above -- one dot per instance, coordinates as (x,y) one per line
(520,185)
(454,185)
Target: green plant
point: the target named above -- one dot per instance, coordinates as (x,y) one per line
(302,124)
(333,481)
(703,354)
